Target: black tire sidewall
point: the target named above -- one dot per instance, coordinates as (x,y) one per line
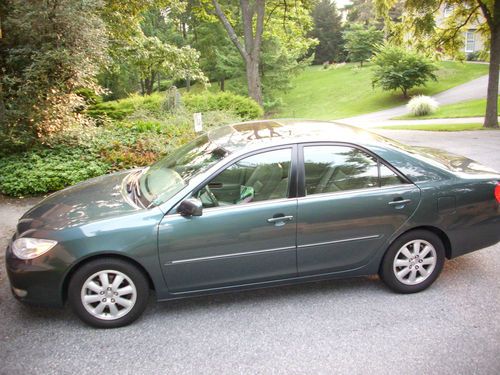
(386,269)
(87,270)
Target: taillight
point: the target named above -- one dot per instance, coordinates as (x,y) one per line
(497,192)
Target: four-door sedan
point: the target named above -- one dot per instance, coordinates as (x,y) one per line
(253,205)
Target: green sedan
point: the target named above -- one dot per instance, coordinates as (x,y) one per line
(253,205)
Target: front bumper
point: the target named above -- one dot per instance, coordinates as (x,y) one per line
(36,281)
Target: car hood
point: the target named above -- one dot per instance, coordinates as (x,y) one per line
(91,200)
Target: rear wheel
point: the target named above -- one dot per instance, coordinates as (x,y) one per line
(413,262)
(108,293)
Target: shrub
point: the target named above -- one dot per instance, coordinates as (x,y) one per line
(422,105)
(473,56)
(243,107)
(88,95)
(397,68)
(43,170)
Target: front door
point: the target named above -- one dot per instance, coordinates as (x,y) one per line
(247,231)
(353,203)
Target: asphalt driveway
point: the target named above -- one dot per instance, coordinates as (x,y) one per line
(351,326)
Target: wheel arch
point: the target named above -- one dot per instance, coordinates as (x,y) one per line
(91,258)
(438,232)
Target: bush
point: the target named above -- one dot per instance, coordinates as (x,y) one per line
(43,170)
(473,56)
(243,107)
(88,95)
(422,105)
(143,134)
(397,68)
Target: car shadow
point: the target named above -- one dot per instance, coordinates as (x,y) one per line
(333,288)
(339,289)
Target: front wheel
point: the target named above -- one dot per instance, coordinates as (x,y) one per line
(108,293)
(413,262)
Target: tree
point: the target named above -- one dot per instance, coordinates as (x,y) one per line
(49,49)
(151,56)
(360,41)
(361,11)
(253,22)
(250,49)
(396,68)
(364,12)
(328,31)
(218,58)
(419,28)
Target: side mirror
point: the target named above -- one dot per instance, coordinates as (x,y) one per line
(190,207)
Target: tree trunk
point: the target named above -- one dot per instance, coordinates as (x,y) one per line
(149,83)
(3,111)
(253,81)
(491,116)
(188,84)
(159,82)
(222,82)
(250,49)
(143,88)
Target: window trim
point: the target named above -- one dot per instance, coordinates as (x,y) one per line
(473,41)
(292,187)
(380,161)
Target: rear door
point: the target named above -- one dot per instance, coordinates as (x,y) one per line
(351,204)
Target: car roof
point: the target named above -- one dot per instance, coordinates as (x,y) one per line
(265,133)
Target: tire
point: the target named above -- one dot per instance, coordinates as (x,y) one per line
(119,303)
(405,271)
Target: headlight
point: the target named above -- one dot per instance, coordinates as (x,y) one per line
(29,248)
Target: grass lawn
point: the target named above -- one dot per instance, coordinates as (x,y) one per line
(469,108)
(347,91)
(437,127)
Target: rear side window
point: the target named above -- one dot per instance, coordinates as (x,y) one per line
(341,168)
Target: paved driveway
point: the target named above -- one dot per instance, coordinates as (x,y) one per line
(352,326)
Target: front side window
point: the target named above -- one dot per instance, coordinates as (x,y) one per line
(257,178)
(330,169)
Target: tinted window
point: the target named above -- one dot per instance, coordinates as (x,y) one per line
(338,168)
(256,178)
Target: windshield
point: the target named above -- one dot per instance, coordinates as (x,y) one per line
(169,175)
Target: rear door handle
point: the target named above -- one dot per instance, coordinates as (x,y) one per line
(400,202)
(280,220)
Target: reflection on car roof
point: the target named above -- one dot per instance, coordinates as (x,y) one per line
(269,132)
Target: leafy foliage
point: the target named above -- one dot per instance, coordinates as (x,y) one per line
(360,42)
(399,69)
(42,170)
(241,106)
(151,56)
(49,50)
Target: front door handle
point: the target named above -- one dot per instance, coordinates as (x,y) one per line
(279,220)
(400,203)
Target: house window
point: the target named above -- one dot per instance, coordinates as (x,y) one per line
(470,41)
